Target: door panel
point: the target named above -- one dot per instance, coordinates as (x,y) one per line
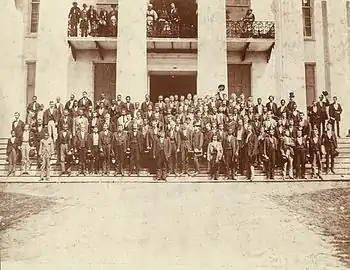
(310,83)
(239,79)
(172,85)
(104,80)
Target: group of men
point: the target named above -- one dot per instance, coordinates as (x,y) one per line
(175,134)
(91,23)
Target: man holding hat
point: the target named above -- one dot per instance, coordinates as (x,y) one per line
(221,91)
(45,152)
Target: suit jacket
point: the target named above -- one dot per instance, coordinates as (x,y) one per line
(39,135)
(69,105)
(129,107)
(120,139)
(68,121)
(230,144)
(281,110)
(270,145)
(87,103)
(144,106)
(77,122)
(18,128)
(48,115)
(175,136)
(111,126)
(139,137)
(335,113)
(65,139)
(11,146)
(90,140)
(79,141)
(186,139)
(251,144)
(94,122)
(197,140)
(30,107)
(156,148)
(105,139)
(272,107)
(330,143)
(321,107)
(315,147)
(59,108)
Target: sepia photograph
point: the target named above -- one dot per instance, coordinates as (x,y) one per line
(175,134)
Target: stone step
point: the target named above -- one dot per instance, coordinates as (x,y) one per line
(170,179)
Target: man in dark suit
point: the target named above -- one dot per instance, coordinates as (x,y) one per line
(84,102)
(322,110)
(272,106)
(251,148)
(94,150)
(335,110)
(282,109)
(145,104)
(65,120)
(119,145)
(110,125)
(129,106)
(230,148)
(105,144)
(12,149)
(65,146)
(18,125)
(185,147)
(258,108)
(270,148)
(39,134)
(174,139)
(81,147)
(105,101)
(161,153)
(197,146)
(51,120)
(70,103)
(135,147)
(291,103)
(34,107)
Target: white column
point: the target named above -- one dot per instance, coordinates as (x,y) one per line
(12,89)
(212,46)
(132,77)
(290,66)
(320,49)
(339,63)
(52,51)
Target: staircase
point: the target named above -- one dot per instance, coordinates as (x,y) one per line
(342,170)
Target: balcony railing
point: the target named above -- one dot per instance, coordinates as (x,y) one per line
(89,28)
(166,29)
(257,29)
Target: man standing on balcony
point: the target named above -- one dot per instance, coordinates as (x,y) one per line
(151,18)
(112,21)
(248,21)
(92,18)
(175,20)
(74,17)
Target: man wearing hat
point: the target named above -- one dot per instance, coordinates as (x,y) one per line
(335,110)
(322,111)
(161,153)
(135,147)
(74,17)
(45,152)
(291,103)
(270,148)
(221,91)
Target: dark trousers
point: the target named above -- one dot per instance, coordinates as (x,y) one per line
(214,168)
(300,160)
(119,158)
(271,163)
(134,158)
(161,165)
(95,161)
(173,158)
(82,159)
(230,166)
(107,158)
(196,162)
(330,157)
(184,158)
(241,160)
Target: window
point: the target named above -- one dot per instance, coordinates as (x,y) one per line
(236,9)
(31,67)
(307,17)
(348,12)
(310,82)
(34,15)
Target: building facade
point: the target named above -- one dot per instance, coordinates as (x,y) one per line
(299,46)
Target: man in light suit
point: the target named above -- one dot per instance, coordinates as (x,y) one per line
(79,121)
(51,121)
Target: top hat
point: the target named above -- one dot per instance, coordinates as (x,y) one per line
(291,95)
(325,93)
(75,3)
(84,5)
(221,86)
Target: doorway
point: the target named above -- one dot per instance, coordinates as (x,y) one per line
(167,85)
(104,80)
(239,80)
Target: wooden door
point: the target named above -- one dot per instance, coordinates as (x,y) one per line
(239,79)
(104,80)
(310,83)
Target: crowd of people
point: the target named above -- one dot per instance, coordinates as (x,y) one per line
(176,135)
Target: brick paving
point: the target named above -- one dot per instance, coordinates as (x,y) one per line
(167,226)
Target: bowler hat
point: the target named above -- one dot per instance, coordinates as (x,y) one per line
(291,95)
(325,93)
(75,3)
(84,5)
(221,86)
(32,153)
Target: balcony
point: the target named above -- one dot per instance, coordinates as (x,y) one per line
(244,37)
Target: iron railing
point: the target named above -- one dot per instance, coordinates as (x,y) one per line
(257,29)
(165,29)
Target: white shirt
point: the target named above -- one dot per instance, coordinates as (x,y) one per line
(95,139)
